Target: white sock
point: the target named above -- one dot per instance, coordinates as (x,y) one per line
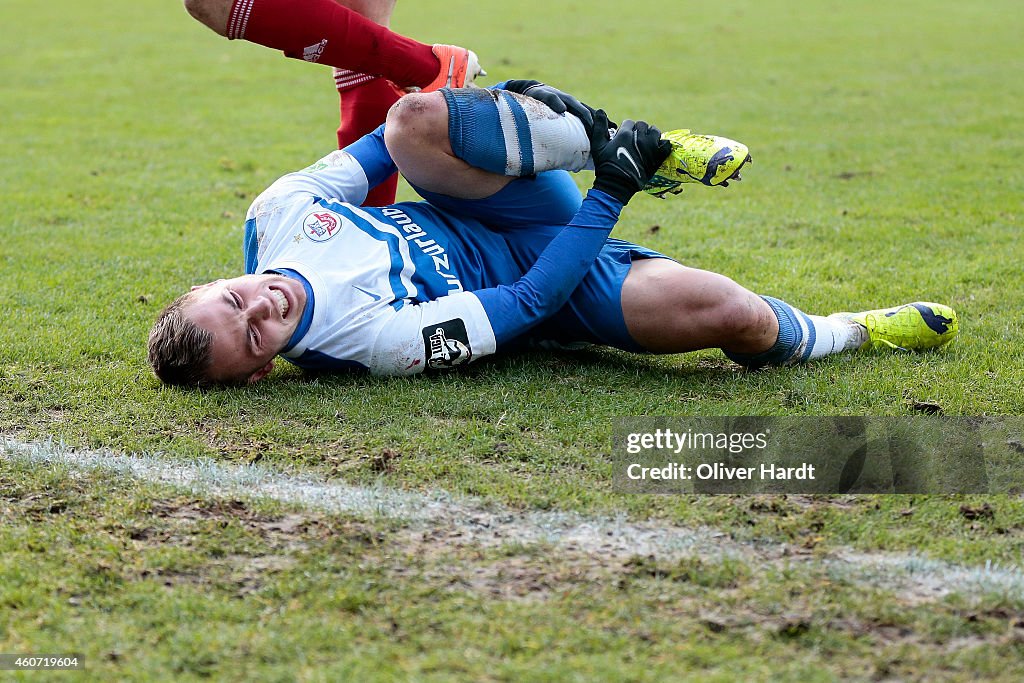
(513,135)
(559,141)
(835,335)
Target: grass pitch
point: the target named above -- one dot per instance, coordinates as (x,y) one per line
(886,143)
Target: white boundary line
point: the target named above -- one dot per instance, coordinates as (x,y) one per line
(912,576)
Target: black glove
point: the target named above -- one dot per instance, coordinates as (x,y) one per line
(556,100)
(627,161)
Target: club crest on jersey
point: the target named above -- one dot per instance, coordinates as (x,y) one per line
(447,344)
(320,226)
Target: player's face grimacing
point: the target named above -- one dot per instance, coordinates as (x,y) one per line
(251,318)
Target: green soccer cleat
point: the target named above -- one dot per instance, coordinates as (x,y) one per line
(911,327)
(706,159)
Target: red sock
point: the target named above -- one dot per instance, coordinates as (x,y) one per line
(364,106)
(324,31)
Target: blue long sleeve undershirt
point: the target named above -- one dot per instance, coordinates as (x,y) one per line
(373,155)
(513,309)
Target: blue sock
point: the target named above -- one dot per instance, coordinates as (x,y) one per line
(513,135)
(796,339)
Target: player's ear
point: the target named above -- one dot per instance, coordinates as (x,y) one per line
(208,284)
(261,373)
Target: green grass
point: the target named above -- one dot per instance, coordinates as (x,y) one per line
(886,143)
(147,582)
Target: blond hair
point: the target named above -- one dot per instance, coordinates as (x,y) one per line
(179,350)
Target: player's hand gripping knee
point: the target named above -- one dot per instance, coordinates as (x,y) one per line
(556,100)
(625,163)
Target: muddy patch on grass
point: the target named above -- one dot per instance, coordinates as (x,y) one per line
(515,572)
(259,545)
(455,522)
(729,597)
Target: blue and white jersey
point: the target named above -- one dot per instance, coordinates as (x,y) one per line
(403,288)
(388,289)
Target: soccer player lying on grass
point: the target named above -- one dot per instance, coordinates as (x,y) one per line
(372,65)
(501,255)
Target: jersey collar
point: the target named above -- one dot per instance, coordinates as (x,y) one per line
(307,312)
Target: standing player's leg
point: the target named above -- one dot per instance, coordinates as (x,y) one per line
(326,32)
(364,100)
(363,106)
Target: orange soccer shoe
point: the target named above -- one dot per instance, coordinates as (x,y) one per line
(459,68)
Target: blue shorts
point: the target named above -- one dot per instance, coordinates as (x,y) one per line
(528,213)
